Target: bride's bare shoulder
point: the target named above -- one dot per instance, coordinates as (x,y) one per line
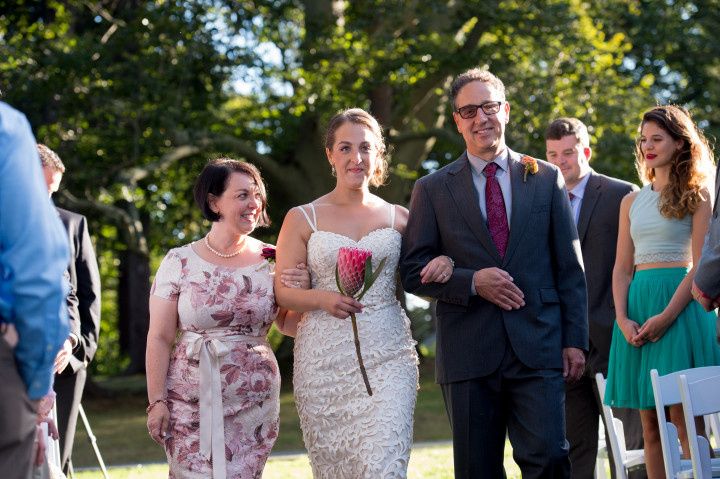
(401,218)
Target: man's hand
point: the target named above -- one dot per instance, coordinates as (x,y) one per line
(63,357)
(496,285)
(573,364)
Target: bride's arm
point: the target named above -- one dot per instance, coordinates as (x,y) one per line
(292,250)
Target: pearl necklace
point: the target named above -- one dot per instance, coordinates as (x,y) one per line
(218,253)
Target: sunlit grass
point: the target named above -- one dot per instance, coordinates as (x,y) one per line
(426,462)
(119,423)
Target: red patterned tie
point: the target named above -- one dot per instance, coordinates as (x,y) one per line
(495,206)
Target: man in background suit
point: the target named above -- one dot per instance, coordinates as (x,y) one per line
(512,317)
(595,201)
(83,303)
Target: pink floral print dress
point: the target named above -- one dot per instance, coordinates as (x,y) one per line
(223,382)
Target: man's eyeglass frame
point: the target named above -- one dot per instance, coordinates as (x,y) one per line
(489,108)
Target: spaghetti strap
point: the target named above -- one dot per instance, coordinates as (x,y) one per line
(392,216)
(313,222)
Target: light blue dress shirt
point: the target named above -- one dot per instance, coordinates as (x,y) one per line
(579,193)
(33,255)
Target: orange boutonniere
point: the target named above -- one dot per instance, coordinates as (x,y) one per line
(531,166)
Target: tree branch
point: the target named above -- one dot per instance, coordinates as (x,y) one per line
(131,230)
(133,175)
(397,137)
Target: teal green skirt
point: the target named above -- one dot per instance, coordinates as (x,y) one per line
(690,342)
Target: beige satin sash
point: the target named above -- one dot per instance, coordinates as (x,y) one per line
(208,347)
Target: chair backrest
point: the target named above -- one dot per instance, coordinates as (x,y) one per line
(667,393)
(699,398)
(616,435)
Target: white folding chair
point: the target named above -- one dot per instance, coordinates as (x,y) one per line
(667,393)
(625,460)
(700,398)
(602,454)
(712,428)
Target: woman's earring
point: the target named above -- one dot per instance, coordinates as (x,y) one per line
(333,171)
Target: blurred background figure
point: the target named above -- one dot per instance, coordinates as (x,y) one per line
(83,306)
(33,259)
(706,285)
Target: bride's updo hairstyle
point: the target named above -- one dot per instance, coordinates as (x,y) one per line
(359,116)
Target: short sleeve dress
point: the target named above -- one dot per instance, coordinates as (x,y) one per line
(223,382)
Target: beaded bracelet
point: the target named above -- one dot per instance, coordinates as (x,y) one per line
(155,403)
(452,263)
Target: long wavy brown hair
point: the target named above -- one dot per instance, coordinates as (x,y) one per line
(692,165)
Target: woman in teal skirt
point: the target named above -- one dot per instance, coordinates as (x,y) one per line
(661,231)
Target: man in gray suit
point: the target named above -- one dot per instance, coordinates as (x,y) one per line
(706,284)
(512,318)
(595,201)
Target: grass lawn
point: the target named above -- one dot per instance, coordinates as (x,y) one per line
(119,425)
(427,462)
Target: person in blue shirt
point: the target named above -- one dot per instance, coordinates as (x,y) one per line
(33,258)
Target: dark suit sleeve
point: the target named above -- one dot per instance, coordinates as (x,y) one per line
(707,276)
(88,294)
(569,272)
(72,306)
(421,243)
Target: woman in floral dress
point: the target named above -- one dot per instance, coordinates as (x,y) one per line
(213,381)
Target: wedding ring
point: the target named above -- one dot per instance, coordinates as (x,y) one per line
(297,284)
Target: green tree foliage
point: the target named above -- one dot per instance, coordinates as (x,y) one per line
(674,51)
(136,95)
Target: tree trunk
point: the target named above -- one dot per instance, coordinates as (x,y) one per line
(133,311)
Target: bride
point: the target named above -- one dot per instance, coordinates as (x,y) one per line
(348,433)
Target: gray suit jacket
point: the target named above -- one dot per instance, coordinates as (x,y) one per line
(707,275)
(543,256)
(598,231)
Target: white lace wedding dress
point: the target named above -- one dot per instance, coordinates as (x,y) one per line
(347,433)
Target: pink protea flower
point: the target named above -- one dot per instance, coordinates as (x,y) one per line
(351,269)
(354,276)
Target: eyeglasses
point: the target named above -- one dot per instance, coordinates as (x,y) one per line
(489,108)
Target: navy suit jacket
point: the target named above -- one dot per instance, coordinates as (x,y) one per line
(543,256)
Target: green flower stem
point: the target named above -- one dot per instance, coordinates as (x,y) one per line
(363,371)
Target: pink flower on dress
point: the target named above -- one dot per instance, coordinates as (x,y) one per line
(217,287)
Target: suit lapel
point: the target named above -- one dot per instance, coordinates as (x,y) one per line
(463,192)
(593,190)
(523,193)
